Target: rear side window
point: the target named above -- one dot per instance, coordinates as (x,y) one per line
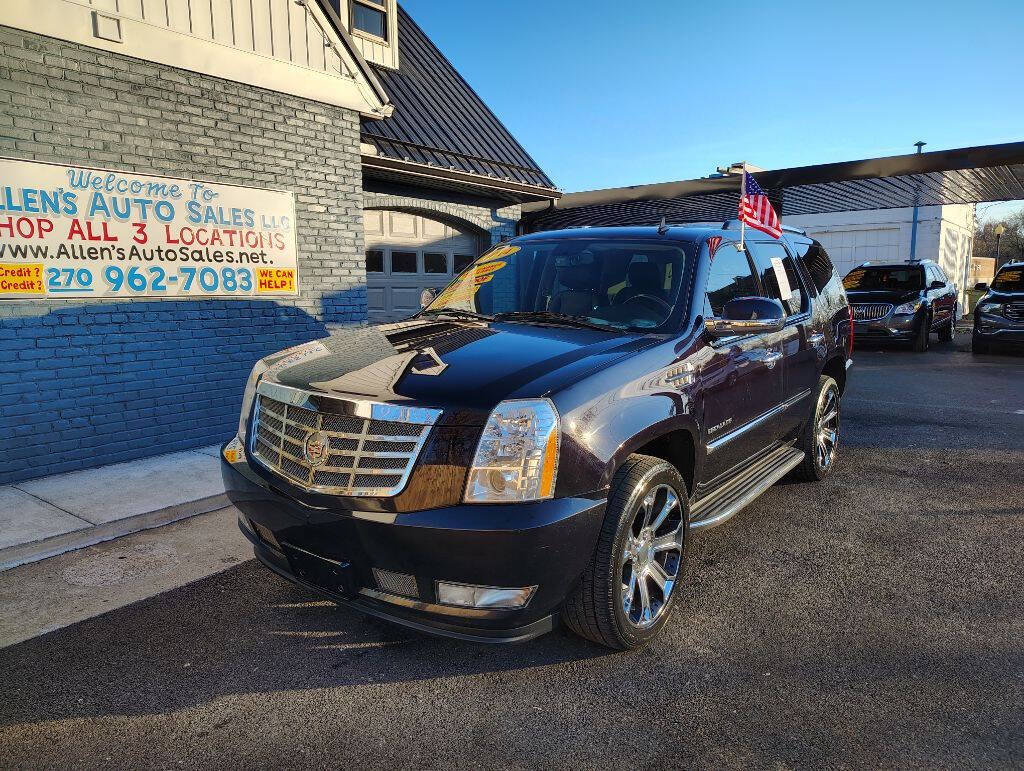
(778,276)
(730,276)
(819,265)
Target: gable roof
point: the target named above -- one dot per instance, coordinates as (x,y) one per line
(439,122)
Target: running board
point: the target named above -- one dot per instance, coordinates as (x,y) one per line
(720,505)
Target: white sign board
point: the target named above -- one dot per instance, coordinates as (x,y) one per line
(69,231)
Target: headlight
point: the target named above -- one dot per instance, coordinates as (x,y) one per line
(991,307)
(517,456)
(248,395)
(907,309)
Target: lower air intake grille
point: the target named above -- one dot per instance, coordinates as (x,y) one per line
(396,583)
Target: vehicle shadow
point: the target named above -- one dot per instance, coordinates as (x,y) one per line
(249,631)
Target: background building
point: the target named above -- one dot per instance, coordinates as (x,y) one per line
(944,234)
(347,106)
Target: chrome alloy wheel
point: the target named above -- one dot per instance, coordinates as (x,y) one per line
(828,427)
(652,556)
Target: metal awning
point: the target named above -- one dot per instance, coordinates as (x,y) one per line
(965,175)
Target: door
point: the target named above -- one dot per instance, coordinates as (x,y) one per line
(801,345)
(407,253)
(742,378)
(943,299)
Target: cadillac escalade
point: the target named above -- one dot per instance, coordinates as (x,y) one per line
(539,443)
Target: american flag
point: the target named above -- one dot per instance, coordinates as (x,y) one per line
(713,243)
(756,210)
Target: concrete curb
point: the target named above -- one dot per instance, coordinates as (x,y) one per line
(22,554)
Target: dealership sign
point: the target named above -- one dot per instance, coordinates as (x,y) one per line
(70,231)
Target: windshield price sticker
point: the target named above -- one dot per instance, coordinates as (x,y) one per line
(71,231)
(465,287)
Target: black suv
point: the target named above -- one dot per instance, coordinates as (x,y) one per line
(902,302)
(541,439)
(999,314)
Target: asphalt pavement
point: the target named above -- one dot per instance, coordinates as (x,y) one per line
(875,619)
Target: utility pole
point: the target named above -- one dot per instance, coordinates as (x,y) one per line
(913,226)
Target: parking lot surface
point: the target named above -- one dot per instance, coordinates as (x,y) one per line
(874,619)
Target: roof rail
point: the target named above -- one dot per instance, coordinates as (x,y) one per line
(788,228)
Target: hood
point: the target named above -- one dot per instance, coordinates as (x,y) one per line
(881,296)
(1002,296)
(449,364)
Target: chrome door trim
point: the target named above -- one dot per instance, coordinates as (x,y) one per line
(740,431)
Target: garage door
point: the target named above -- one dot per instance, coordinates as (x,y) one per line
(407,253)
(849,248)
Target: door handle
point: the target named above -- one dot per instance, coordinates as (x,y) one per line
(816,339)
(771,358)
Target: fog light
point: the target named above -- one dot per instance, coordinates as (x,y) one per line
(470,596)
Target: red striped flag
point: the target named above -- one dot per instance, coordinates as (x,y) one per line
(755,208)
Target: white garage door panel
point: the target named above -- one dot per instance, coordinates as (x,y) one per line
(405,299)
(395,295)
(849,248)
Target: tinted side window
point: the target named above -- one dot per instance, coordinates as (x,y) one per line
(766,255)
(730,276)
(819,265)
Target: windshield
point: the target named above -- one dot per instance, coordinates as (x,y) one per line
(885,279)
(1009,280)
(608,283)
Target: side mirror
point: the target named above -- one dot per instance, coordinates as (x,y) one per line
(937,285)
(981,286)
(747,316)
(426,297)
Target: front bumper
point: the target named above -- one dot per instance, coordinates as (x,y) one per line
(334,552)
(890,327)
(995,328)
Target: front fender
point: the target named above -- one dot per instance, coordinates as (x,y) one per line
(598,437)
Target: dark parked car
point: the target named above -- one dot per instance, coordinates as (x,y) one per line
(999,314)
(902,302)
(542,438)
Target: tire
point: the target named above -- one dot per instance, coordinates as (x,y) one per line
(813,468)
(948,332)
(922,338)
(979,347)
(596,609)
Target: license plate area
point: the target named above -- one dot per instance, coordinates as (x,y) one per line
(332,575)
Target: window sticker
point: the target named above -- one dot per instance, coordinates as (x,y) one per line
(465,287)
(782,278)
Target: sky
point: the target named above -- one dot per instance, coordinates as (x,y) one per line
(606,94)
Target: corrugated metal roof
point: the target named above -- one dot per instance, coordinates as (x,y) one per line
(440,120)
(964,175)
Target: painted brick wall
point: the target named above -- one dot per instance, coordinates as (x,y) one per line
(85,383)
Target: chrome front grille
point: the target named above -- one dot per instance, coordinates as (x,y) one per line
(338,454)
(1014,311)
(871,311)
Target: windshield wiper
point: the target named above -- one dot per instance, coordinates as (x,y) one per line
(552,318)
(459,313)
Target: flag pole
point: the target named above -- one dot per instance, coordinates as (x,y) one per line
(743,192)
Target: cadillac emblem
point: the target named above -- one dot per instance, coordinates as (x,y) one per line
(317,448)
